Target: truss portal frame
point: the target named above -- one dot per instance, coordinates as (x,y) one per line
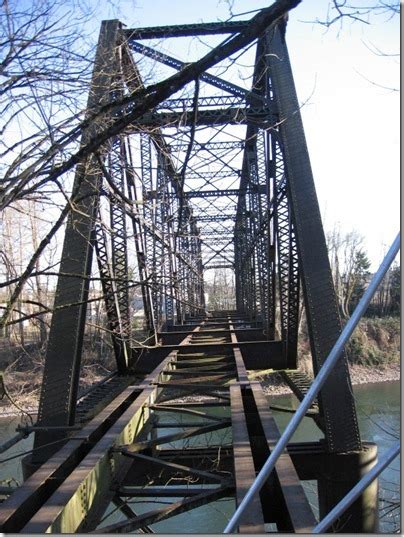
(196,200)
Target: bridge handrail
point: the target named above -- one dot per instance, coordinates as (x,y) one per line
(316,386)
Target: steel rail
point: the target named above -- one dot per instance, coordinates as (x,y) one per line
(322,376)
(354,493)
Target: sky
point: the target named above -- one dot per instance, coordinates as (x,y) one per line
(351,121)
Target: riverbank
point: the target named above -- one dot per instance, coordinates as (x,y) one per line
(370,375)
(373,354)
(360,374)
(22,389)
(272,383)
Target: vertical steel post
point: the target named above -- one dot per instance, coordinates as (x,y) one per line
(139,241)
(110,296)
(149,194)
(117,165)
(336,400)
(62,363)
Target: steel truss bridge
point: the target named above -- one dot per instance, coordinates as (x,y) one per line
(213,177)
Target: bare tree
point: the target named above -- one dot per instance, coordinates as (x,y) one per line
(221,291)
(44,80)
(340,11)
(349,265)
(387,298)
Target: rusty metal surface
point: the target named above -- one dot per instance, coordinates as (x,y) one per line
(300,383)
(17,510)
(85,490)
(244,471)
(66,509)
(58,398)
(129,460)
(336,399)
(297,505)
(166,512)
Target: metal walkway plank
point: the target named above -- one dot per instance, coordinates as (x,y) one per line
(244,471)
(300,512)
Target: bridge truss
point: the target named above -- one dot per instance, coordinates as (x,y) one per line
(214,177)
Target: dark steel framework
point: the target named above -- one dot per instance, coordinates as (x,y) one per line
(185,196)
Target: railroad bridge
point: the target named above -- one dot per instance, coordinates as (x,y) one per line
(202,174)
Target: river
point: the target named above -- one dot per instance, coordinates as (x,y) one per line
(378,407)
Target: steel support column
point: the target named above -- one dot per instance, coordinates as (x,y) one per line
(336,400)
(62,364)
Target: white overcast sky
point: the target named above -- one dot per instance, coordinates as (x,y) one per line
(352,125)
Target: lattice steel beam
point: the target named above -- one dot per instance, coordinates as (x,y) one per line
(116,162)
(184,30)
(179,263)
(212,193)
(208,117)
(206,146)
(336,401)
(187,104)
(110,296)
(215,218)
(62,363)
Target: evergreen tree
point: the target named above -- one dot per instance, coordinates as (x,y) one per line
(395,290)
(360,274)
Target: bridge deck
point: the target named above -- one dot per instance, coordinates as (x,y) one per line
(193,431)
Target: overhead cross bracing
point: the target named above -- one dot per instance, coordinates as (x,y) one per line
(204,150)
(213,178)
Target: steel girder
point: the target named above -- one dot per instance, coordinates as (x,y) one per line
(183,30)
(288,228)
(167,259)
(257,265)
(186,103)
(167,292)
(155,250)
(212,193)
(215,218)
(269,228)
(209,146)
(221,174)
(108,283)
(117,164)
(168,235)
(151,215)
(336,399)
(209,117)
(139,240)
(63,358)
